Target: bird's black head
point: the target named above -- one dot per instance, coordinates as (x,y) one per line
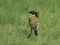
(34,12)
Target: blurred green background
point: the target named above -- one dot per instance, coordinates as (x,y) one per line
(14,27)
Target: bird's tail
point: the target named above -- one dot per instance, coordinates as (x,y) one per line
(36,32)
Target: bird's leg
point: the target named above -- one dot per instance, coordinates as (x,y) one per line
(36,32)
(30,33)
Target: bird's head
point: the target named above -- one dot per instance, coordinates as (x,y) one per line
(34,13)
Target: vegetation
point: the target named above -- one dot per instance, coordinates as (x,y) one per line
(14,27)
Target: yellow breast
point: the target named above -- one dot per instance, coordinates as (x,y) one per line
(33,19)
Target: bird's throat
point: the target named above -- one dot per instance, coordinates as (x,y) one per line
(31,15)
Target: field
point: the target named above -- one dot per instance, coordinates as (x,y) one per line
(14,26)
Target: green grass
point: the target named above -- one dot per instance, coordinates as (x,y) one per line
(14,27)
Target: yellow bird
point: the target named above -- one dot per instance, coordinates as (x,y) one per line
(34,22)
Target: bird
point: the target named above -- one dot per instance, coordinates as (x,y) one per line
(33,22)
